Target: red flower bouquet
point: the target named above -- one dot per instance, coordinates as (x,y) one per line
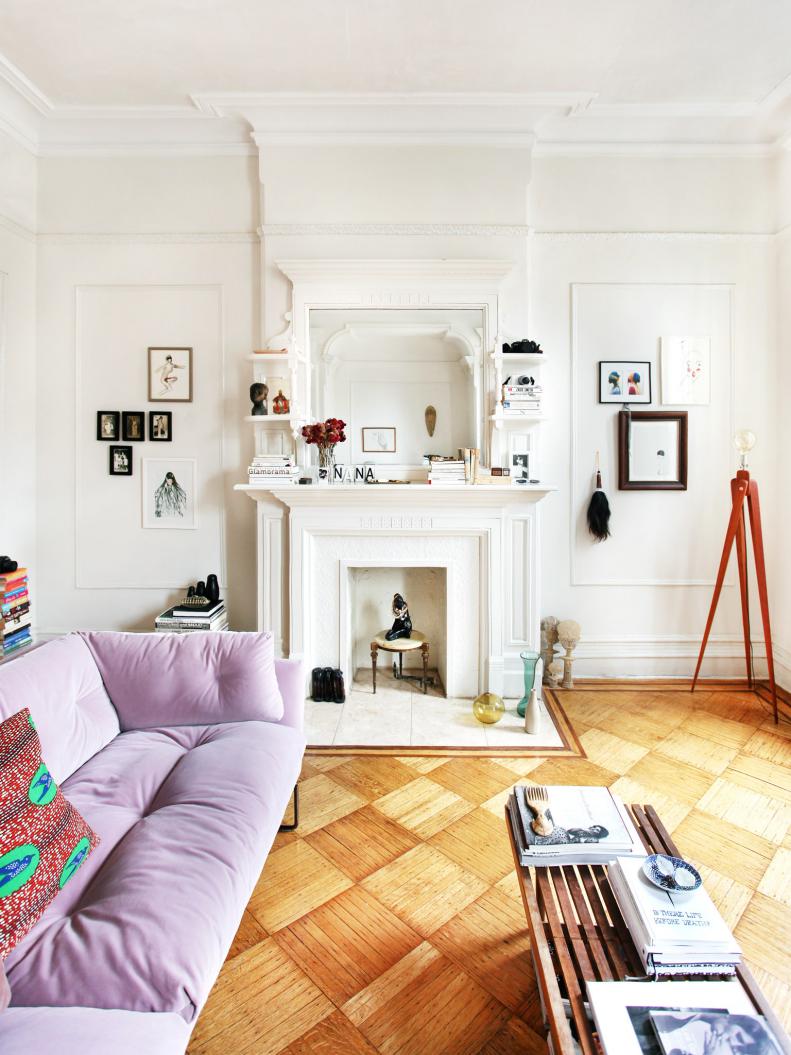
(325,433)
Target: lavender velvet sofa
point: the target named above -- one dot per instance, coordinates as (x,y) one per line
(186,789)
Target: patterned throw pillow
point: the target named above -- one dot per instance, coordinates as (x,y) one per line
(43,839)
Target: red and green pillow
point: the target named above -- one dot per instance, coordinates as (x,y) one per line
(43,839)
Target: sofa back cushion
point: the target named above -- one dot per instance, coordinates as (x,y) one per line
(5,989)
(60,684)
(188,679)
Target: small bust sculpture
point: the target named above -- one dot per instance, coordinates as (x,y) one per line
(569,635)
(258,393)
(402,624)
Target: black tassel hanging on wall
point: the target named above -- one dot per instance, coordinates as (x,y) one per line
(599,510)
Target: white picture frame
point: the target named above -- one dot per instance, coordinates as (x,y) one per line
(169,493)
(686,371)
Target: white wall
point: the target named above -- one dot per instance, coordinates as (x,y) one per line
(780,583)
(179,234)
(140,252)
(19,396)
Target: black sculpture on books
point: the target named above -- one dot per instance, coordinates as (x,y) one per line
(402,624)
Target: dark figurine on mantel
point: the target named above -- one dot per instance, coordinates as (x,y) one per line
(258,393)
(402,625)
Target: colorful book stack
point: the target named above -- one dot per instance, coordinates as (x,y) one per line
(15,610)
(184,620)
(267,469)
(522,400)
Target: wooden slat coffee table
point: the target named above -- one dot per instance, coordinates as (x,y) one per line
(577,935)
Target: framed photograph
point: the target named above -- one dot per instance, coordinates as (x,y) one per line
(622,1010)
(686,371)
(624,381)
(379,440)
(652,450)
(169,375)
(169,492)
(133,425)
(160,426)
(120,461)
(520,465)
(108,425)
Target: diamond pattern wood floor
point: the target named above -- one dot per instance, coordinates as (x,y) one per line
(391,921)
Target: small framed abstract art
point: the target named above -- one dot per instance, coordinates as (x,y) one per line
(624,381)
(686,371)
(652,450)
(120,461)
(169,492)
(169,375)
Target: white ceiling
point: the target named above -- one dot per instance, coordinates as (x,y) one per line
(677,59)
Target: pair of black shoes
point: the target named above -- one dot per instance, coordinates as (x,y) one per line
(327,685)
(7,565)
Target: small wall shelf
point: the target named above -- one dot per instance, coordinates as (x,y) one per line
(269,419)
(530,357)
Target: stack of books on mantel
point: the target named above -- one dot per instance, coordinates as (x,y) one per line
(675,933)
(268,469)
(446,470)
(182,619)
(522,400)
(585,825)
(14,611)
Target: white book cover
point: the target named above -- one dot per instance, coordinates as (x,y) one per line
(587,815)
(672,920)
(622,1010)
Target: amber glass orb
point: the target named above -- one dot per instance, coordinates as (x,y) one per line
(488,708)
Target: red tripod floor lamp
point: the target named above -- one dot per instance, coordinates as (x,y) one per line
(744,492)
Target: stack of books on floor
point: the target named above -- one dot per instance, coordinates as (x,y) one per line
(267,469)
(583,825)
(15,611)
(675,933)
(181,619)
(522,400)
(446,470)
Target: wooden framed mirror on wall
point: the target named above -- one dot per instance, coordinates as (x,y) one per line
(652,450)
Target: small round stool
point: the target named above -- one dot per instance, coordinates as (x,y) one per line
(400,646)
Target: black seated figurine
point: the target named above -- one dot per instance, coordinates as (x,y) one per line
(258,394)
(402,625)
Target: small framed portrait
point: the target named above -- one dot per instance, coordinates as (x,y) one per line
(379,440)
(169,375)
(160,426)
(652,450)
(133,425)
(108,425)
(624,381)
(120,461)
(520,465)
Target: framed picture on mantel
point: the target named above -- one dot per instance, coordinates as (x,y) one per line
(652,450)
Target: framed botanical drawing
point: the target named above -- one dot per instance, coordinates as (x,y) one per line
(169,492)
(169,375)
(652,450)
(624,381)
(686,371)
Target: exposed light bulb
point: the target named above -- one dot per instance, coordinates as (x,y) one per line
(744,440)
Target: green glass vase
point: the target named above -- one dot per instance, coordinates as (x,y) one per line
(530,660)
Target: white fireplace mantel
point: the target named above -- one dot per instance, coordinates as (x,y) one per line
(485,536)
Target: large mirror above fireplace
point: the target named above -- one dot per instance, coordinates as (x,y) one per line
(407,381)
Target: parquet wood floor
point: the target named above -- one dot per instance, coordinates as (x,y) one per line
(391,922)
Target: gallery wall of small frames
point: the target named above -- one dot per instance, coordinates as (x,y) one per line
(169,381)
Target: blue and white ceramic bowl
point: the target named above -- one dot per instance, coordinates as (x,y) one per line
(671,873)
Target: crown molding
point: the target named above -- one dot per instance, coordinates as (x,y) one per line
(24,87)
(396,272)
(148,238)
(752,237)
(481,138)
(566,148)
(463,230)
(8,223)
(220,104)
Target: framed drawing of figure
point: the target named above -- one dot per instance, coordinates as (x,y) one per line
(169,491)
(169,375)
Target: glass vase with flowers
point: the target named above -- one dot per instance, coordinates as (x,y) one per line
(326,435)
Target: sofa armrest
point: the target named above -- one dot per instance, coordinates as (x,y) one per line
(291,682)
(91,1031)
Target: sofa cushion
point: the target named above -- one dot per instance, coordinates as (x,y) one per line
(88,1031)
(187,817)
(60,684)
(43,839)
(184,679)
(5,989)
